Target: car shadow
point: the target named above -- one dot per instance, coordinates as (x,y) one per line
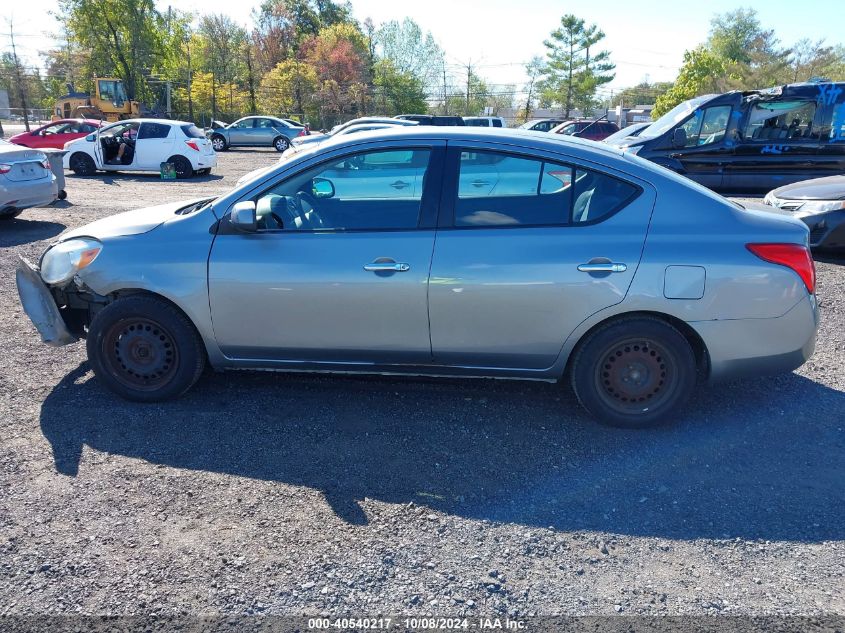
(830,257)
(111,178)
(17,231)
(758,459)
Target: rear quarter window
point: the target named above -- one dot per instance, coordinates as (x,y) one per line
(192,131)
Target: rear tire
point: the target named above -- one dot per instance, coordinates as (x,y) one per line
(82,164)
(182,166)
(145,349)
(634,373)
(9,216)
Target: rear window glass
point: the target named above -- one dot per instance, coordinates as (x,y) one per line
(497,123)
(496,189)
(154,130)
(192,131)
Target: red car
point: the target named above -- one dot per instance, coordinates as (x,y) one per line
(586,128)
(56,134)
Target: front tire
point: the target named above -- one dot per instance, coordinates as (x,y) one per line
(634,373)
(82,164)
(145,349)
(281,143)
(11,214)
(219,143)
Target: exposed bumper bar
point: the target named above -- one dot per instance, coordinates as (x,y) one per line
(40,306)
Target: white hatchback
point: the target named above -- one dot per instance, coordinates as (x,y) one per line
(142,145)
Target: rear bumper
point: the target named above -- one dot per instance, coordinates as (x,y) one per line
(756,347)
(40,306)
(27,194)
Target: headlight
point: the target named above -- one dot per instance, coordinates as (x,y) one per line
(770,200)
(65,259)
(822,205)
(632,149)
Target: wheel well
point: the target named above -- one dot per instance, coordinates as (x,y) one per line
(699,349)
(129,292)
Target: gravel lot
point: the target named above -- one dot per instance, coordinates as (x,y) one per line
(283,494)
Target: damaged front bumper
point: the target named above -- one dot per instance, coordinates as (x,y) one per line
(40,306)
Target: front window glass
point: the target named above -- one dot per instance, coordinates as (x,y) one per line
(243,124)
(706,126)
(378,190)
(781,120)
(674,116)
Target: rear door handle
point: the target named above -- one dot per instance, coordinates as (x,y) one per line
(480,183)
(608,267)
(399,184)
(393,267)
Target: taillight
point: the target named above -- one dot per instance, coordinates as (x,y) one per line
(45,164)
(794,256)
(5,168)
(302,132)
(193,145)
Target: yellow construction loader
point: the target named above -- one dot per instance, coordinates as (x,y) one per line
(108,103)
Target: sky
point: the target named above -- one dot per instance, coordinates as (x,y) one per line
(646,39)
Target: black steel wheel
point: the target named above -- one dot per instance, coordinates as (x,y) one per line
(182,166)
(82,164)
(144,348)
(634,373)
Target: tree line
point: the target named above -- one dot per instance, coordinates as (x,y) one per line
(312,60)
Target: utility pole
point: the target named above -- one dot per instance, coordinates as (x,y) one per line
(445,95)
(469,81)
(190,79)
(21,88)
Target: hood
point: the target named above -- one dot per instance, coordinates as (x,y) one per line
(131,222)
(828,188)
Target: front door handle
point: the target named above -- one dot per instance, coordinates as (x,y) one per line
(391,267)
(399,184)
(480,183)
(603,267)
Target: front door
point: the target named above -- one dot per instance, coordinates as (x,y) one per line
(524,263)
(334,273)
(705,149)
(240,132)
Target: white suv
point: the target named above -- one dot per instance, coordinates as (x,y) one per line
(485,121)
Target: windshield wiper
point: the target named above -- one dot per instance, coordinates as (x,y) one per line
(197,206)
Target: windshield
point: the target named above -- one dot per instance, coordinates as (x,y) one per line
(674,116)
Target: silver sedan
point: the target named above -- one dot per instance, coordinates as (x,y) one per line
(26,180)
(441,251)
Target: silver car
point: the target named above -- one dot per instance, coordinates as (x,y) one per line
(26,180)
(255,131)
(441,251)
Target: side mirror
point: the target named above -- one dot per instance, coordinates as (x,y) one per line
(679,138)
(243,216)
(90,138)
(322,188)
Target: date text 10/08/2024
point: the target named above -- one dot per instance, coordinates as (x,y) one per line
(417,624)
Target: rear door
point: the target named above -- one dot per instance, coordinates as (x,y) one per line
(778,144)
(506,289)
(154,145)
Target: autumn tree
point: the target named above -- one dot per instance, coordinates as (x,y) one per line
(338,55)
(289,89)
